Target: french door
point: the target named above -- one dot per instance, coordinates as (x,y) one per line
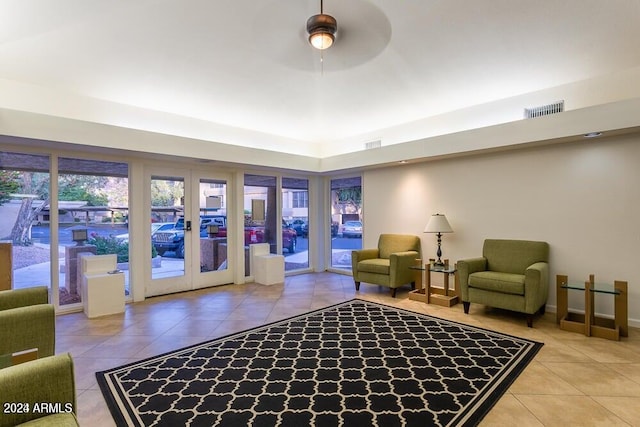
(189,230)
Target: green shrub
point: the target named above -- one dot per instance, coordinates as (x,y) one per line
(111,245)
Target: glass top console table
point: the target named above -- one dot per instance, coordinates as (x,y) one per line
(588,323)
(444,296)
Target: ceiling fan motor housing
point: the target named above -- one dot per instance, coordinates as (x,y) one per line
(322,24)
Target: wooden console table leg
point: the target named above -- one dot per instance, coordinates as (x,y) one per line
(446,284)
(588,308)
(427,282)
(620,310)
(456,286)
(562,298)
(417,275)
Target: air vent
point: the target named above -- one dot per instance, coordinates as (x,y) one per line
(544,110)
(372,144)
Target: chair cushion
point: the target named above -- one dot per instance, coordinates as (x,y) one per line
(375,265)
(505,283)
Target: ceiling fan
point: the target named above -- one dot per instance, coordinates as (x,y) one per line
(364,33)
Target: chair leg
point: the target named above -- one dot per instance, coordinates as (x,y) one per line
(357,286)
(543,308)
(393,292)
(530,320)
(465,306)
(413,286)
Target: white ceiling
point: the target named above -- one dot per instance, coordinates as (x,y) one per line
(244,70)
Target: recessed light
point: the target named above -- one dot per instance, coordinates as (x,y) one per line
(592,134)
(403,162)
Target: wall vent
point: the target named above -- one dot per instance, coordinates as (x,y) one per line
(373,144)
(544,110)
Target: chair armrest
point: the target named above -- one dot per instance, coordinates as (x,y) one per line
(23,297)
(536,286)
(399,263)
(49,380)
(28,327)
(465,268)
(363,254)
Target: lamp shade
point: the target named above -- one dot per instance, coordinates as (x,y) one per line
(438,224)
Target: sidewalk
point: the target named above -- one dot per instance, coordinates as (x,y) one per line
(40,274)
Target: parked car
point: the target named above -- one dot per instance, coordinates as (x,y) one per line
(335,228)
(352,229)
(301,227)
(173,240)
(255,234)
(155,227)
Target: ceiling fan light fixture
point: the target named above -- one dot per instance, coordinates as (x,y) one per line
(322,30)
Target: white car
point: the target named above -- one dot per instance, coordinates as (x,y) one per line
(352,229)
(155,227)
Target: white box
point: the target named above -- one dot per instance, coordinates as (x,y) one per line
(267,268)
(102,287)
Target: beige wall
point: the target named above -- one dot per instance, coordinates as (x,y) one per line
(583,198)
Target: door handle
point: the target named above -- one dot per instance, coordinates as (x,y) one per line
(187,226)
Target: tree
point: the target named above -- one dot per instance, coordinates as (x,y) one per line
(86,188)
(166,192)
(31,186)
(9,184)
(349,200)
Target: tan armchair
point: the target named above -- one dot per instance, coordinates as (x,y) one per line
(28,321)
(511,274)
(388,264)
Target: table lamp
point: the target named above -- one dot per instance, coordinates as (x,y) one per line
(438,224)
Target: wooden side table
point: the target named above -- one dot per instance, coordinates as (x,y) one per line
(6,266)
(590,324)
(16,358)
(445,296)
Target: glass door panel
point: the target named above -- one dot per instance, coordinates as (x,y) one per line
(212,248)
(170,226)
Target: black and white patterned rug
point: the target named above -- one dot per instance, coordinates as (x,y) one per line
(357,363)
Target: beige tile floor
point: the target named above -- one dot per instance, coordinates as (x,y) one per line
(573,381)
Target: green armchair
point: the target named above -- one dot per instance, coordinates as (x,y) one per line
(28,321)
(388,264)
(511,274)
(39,393)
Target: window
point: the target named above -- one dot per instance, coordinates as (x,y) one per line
(346,220)
(300,199)
(24,209)
(295,223)
(93,195)
(260,213)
